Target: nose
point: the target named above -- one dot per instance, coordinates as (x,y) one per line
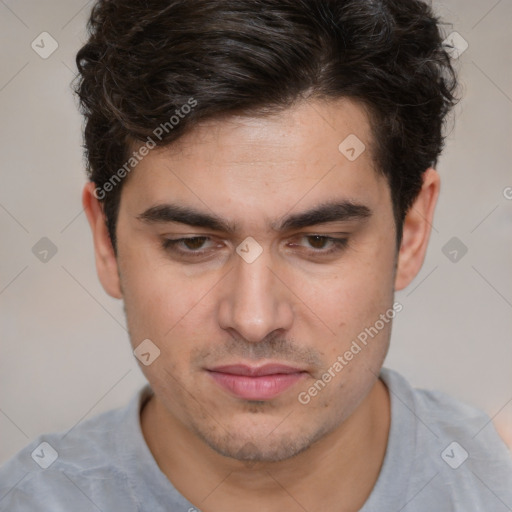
(254,301)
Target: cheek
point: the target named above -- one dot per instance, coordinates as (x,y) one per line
(154,298)
(168,307)
(357,289)
(158,309)
(350,304)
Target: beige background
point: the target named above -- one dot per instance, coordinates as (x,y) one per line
(65,355)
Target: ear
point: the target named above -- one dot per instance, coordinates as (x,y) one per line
(106,262)
(416,230)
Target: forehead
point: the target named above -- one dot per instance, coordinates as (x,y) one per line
(288,134)
(261,163)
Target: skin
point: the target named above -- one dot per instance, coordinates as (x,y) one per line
(290,306)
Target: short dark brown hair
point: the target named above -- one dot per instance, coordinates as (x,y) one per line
(145,60)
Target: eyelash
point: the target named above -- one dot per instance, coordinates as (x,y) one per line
(170,245)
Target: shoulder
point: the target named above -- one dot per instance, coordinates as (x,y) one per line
(79,469)
(459,457)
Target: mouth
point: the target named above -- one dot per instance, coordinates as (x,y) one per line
(256,383)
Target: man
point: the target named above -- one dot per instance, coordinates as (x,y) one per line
(261,182)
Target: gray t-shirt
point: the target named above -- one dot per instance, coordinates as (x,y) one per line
(442,456)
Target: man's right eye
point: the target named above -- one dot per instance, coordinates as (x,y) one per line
(186,246)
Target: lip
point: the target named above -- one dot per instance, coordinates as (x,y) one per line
(256,383)
(256,371)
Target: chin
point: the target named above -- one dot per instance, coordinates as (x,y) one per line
(260,446)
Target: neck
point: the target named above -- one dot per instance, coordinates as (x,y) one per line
(337,473)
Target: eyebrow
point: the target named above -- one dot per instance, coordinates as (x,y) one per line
(330,211)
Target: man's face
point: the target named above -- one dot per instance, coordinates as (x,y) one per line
(217,314)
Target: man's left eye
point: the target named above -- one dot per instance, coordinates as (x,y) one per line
(318,242)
